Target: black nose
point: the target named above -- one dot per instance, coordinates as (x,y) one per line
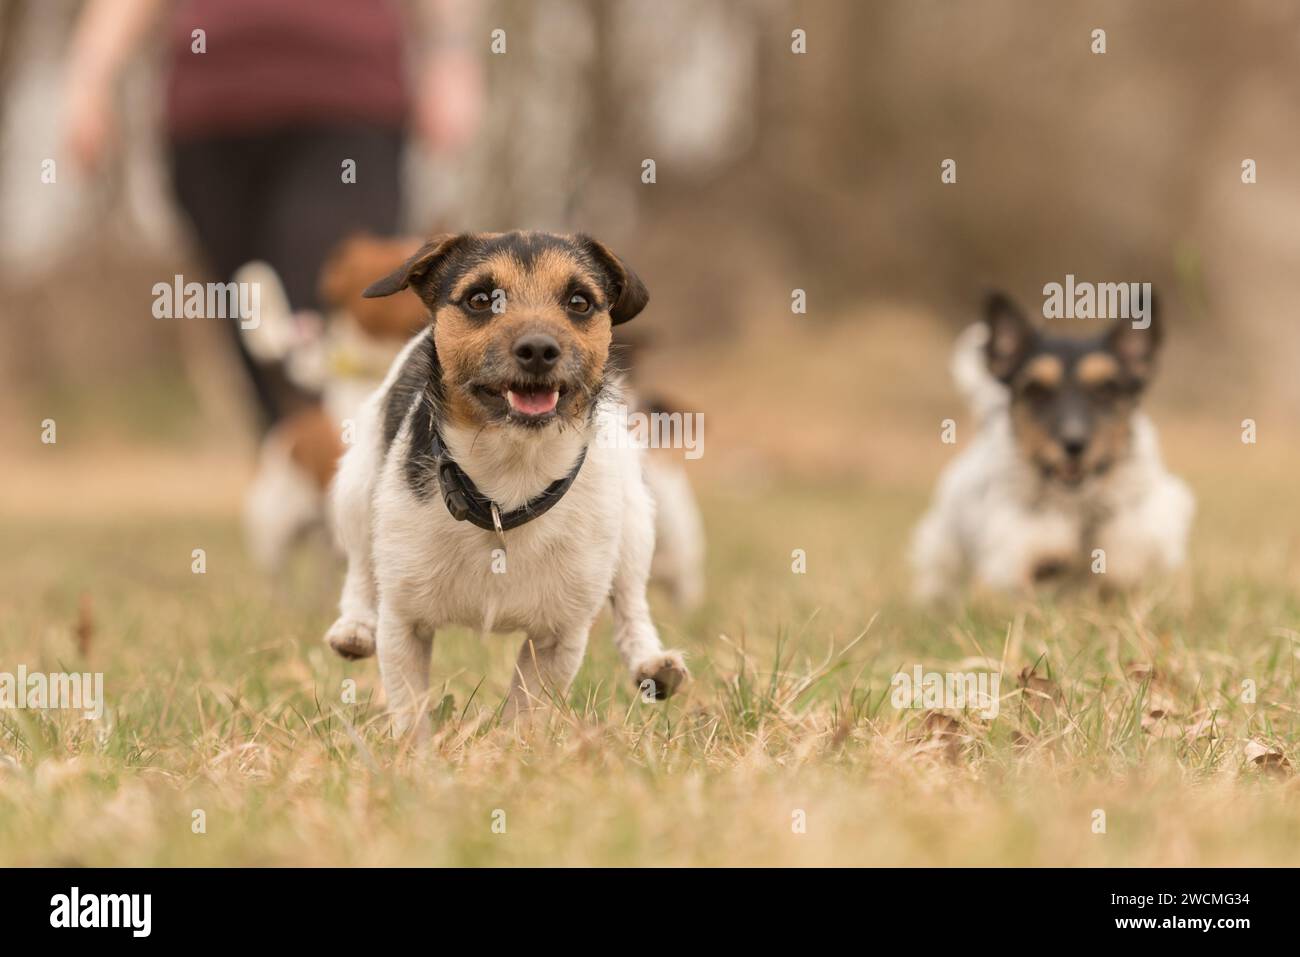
(1074,448)
(536,353)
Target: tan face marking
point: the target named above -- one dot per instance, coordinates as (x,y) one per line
(1111,439)
(1046,371)
(474,348)
(1034,439)
(1096,368)
(1035,422)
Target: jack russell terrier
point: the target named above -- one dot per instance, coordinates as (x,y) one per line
(345,359)
(475,493)
(1064,474)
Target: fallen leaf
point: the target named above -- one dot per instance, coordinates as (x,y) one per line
(937,723)
(1041,694)
(941,733)
(1160,707)
(1140,671)
(1266,758)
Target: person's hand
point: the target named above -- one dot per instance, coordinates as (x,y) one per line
(106,33)
(89,125)
(449,101)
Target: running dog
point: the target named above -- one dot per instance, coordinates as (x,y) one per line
(346,358)
(475,492)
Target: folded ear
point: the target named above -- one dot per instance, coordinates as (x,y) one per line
(1136,346)
(425,260)
(628,294)
(1010,336)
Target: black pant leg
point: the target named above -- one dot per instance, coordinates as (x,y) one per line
(310,208)
(219,184)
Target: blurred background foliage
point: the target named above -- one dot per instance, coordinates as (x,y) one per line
(775,171)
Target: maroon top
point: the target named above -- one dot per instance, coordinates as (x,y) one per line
(275,63)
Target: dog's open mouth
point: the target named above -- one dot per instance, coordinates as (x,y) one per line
(532,401)
(522,402)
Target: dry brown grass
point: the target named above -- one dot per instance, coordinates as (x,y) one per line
(223,699)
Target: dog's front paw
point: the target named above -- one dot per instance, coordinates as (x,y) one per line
(352,638)
(660,677)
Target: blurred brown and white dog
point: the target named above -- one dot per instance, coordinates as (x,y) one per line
(345,359)
(342,360)
(1064,473)
(476,493)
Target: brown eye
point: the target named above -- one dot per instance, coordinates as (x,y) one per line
(579,303)
(480,301)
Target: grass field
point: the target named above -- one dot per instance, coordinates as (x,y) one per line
(785,749)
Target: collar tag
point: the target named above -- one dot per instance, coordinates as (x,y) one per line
(496,524)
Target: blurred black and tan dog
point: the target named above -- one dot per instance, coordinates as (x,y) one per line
(1064,475)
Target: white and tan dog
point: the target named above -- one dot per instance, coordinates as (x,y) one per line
(475,492)
(1064,474)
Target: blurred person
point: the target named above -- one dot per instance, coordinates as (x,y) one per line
(264,107)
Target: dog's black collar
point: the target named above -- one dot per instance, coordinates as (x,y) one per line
(466,503)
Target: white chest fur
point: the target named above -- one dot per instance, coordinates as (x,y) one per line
(551,571)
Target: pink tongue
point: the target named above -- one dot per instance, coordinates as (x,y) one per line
(533,403)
